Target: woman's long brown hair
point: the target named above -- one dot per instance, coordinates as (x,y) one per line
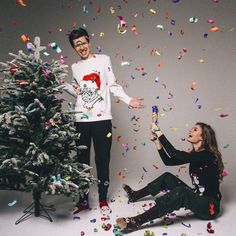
(210,144)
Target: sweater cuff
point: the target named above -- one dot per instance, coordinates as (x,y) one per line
(126,99)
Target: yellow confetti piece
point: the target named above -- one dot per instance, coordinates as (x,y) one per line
(109,135)
(201,60)
(162,114)
(174,129)
(125,63)
(153,11)
(102,34)
(157,53)
(67,178)
(112,10)
(78,135)
(161,27)
(217,109)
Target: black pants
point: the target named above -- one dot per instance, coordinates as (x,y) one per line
(100,132)
(181,195)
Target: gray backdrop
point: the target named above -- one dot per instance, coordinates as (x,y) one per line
(163,63)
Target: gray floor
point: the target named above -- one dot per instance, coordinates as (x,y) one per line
(90,222)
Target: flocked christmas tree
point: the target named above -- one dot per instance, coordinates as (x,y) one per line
(37,138)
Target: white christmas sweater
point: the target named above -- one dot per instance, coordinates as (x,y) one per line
(96,80)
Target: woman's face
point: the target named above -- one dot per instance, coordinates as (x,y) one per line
(195,134)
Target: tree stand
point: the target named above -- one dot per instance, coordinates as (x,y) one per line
(36,208)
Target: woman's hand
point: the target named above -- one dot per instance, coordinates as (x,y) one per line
(155,118)
(153,137)
(154,128)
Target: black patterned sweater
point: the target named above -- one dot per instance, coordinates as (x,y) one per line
(203,169)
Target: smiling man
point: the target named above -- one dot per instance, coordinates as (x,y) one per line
(93,80)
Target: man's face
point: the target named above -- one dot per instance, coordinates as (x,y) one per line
(82,47)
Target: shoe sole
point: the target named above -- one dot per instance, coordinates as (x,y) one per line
(121,223)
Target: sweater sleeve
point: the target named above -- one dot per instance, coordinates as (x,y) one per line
(69,87)
(166,159)
(115,88)
(171,156)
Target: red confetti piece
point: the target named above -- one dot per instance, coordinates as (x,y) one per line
(210,21)
(106,227)
(74,24)
(211,209)
(21,2)
(193,85)
(99,9)
(156,167)
(25,38)
(121,176)
(209,228)
(214,29)
(224,173)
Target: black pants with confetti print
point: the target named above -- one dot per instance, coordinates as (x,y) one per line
(100,132)
(180,195)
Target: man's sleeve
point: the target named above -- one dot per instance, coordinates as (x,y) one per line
(69,87)
(115,88)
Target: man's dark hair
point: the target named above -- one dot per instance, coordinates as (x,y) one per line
(77,33)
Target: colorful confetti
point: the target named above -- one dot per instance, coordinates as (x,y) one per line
(10,204)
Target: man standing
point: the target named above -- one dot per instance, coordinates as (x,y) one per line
(93,80)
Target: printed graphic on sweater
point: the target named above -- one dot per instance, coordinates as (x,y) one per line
(196,183)
(90,89)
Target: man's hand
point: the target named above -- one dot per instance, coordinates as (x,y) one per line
(76,88)
(135,103)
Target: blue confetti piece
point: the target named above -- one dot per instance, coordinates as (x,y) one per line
(93,220)
(144,169)
(226,146)
(186,225)
(10,204)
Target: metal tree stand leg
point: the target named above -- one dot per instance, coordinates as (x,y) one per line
(36,208)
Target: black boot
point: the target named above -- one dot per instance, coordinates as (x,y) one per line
(133,196)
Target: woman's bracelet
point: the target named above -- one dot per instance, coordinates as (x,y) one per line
(155,130)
